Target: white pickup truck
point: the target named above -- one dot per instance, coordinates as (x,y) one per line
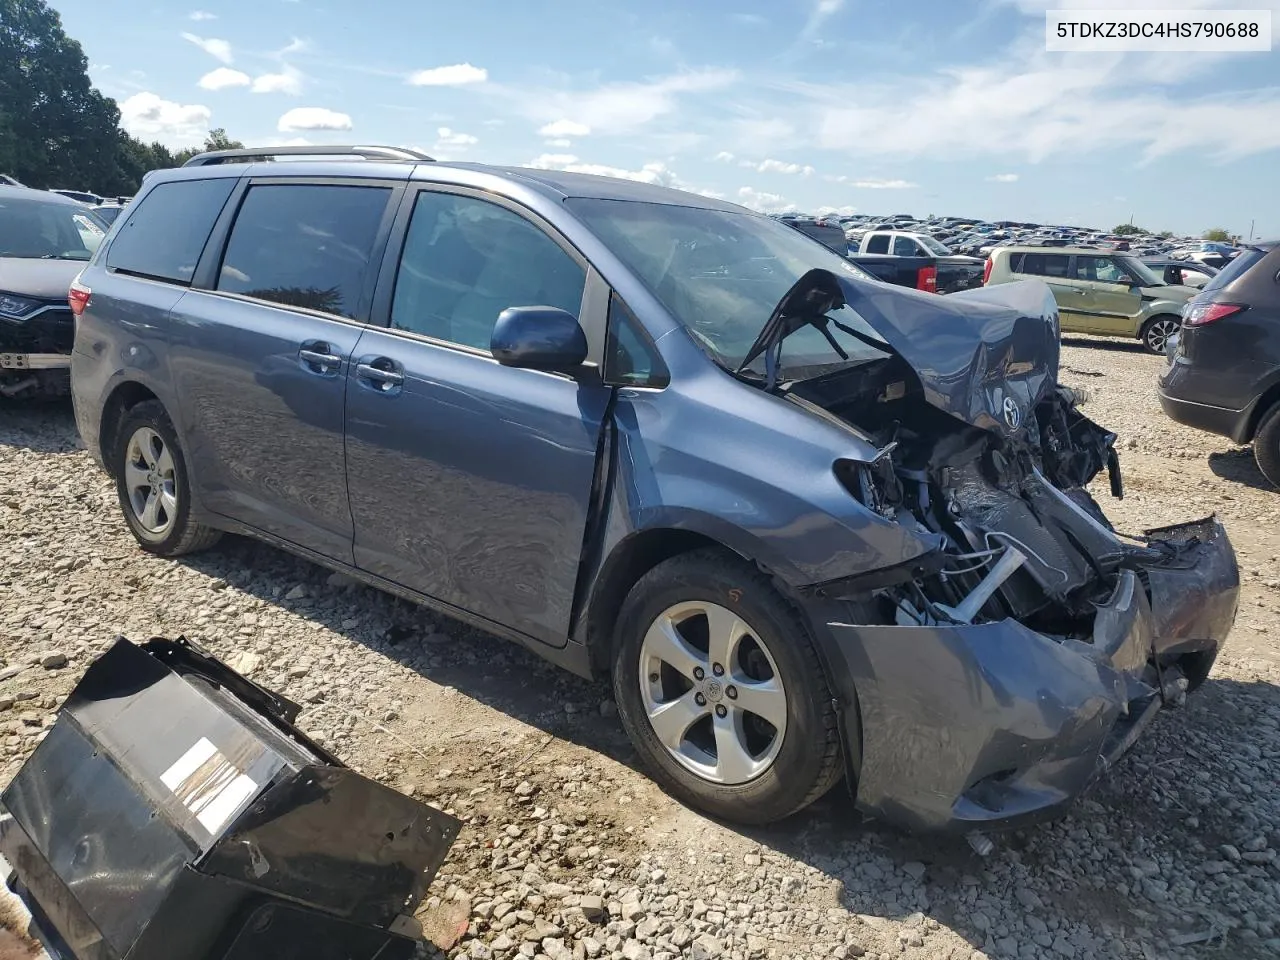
(952,272)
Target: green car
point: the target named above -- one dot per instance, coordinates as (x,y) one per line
(1101,293)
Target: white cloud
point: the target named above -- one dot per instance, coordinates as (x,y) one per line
(452,138)
(622,107)
(218,49)
(564,128)
(873,184)
(724,156)
(656,173)
(287,81)
(823,10)
(313,118)
(764,202)
(780,166)
(1003,178)
(150,117)
(455,75)
(294,45)
(845,211)
(224,77)
(199,15)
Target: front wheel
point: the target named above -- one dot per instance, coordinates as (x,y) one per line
(1157,331)
(720,689)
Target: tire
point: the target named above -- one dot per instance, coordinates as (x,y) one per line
(151,482)
(1157,330)
(751,776)
(1266,445)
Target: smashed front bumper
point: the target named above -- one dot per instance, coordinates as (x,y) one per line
(989,726)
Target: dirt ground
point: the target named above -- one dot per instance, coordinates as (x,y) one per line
(569,851)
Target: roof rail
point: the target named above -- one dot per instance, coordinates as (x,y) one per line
(249,154)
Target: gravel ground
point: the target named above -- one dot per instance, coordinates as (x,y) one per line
(568,851)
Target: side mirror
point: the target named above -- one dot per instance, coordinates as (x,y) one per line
(539,338)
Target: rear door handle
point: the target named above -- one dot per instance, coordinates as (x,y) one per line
(380,373)
(318,357)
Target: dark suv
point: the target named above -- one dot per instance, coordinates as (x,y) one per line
(809,524)
(1224,374)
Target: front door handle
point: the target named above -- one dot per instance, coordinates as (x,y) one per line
(318,357)
(381,373)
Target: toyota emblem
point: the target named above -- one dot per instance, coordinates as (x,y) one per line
(1012,413)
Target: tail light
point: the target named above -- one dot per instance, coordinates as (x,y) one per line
(927,279)
(1200,314)
(986,271)
(78,297)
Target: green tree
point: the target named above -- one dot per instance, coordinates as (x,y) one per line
(1165,234)
(1216,233)
(216,140)
(1128,229)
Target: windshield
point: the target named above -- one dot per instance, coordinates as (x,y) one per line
(44,230)
(720,274)
(1246,259)
(1144,274)
(936,248)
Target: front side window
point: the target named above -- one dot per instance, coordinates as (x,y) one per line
(631,358)
(304,245)
(167,230)
(905,247)
(465,260)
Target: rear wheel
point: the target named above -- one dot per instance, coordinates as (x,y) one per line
(151,481)
(720,689)
(1157,331)
(1266,445)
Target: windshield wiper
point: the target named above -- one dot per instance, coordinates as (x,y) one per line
(806,304)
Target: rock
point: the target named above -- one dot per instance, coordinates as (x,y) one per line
(592,947)
(52,659)
(298,671)
(7,702)
(593,908)
(11,671)
(914,869)
(752,859)
(1230,852)
(705,947)
(297,593)
(246,664)
(634,950)
(647,928)
(555,949)
(1028,898)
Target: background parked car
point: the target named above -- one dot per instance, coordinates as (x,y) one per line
(1110,294)
(108,212)
(80,196)
(45,240)
(1224,372)
(1183,273)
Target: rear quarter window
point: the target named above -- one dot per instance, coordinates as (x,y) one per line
(167,229)
(1236,268)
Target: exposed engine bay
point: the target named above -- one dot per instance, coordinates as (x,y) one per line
(991,459)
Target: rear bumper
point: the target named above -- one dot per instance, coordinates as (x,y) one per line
(1203,416)
(993,726)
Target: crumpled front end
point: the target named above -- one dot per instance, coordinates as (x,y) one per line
(996,677)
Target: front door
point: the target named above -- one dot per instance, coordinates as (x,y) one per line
(470,482)
(1112,301)
(259,360)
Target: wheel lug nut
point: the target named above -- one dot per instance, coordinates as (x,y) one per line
(697,673)
(720,710)
(699,699)
(731,692)
(717,669)
(654,678)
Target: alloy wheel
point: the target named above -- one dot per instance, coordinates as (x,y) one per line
(1159,332)
(712,692)
(150,482)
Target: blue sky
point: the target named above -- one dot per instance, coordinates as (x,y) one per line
(931,106)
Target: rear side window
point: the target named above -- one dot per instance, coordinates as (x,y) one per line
(1040,264)
(878,244)
(905,247)
(304,245)
(166,231)
(1236,268)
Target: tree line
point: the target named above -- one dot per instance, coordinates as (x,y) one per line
(56,129)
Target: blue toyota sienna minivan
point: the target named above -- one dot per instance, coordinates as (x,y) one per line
(813,527)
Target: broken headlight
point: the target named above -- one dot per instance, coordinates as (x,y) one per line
(875,485)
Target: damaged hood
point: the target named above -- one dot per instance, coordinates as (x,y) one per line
(986,356)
